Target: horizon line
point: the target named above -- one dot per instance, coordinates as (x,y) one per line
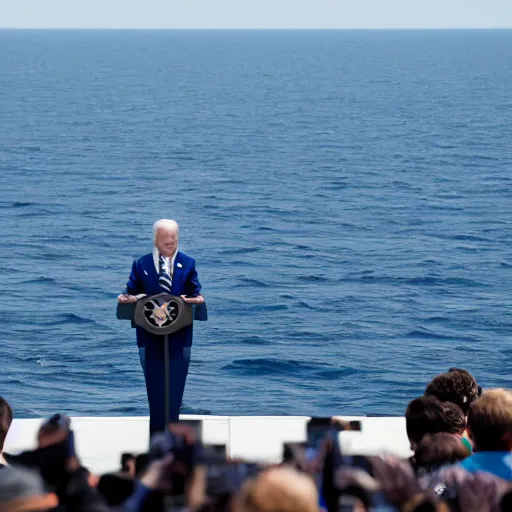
(258,28)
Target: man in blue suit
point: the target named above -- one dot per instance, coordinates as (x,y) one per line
(165,270)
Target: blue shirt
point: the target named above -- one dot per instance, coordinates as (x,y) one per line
(497,463)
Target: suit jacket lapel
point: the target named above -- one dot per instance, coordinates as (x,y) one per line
(149,269)
(176,274)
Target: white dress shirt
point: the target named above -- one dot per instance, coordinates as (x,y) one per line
(169,262)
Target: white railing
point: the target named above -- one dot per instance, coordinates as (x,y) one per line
(100,441)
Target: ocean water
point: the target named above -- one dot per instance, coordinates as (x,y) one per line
(347,196)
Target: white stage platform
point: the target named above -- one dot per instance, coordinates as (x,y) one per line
(100,441)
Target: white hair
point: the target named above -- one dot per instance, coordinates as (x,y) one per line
(165,224)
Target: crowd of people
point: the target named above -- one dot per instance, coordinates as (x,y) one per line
(460,436)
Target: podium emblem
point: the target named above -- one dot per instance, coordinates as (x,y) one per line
(160,313)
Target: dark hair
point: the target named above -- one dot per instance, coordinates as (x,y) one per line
(115,489)
(125,458)
(141,464)
(427,415)
(436,450)
(506,502)
(6,416)
(457,386)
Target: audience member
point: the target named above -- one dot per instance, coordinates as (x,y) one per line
(457,386)
(437,450)
(6,416)
(24,490)
(141,464)
(427,415)
(278,490)
(116,488)
(178,474)
(490,428)
(506,501)
(128,464)
(464,491)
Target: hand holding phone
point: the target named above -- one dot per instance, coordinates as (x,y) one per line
(54,430)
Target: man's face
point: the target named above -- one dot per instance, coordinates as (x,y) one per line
(166,242)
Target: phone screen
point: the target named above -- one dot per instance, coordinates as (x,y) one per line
(228,477)
(295,453)
(355,425)
(214,452)
(318,429)
(195,425)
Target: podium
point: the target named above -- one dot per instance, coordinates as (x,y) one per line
(162,314)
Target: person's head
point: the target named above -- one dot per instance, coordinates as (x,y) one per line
(490,421)
(427,415)
(128,464)
(506,501)
(457,386)
(141,464)
(22,490)
(116,489)
(436,450)
(165,236)
(278,490)
(5,421)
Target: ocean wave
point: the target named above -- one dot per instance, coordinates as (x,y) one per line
(267,366)
(71,318)
(248,281)
(423,333)
(233,251)
(254,340)
(22,204)
(312,278)
(40,280)
(287,368)
(444,281)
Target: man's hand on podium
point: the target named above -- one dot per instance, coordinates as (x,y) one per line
(193,300)
(126,298)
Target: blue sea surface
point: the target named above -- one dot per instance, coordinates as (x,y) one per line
(347,196)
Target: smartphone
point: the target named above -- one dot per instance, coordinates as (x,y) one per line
(228,477)
(320,434)
(177,438)
(295,453)
(214,453)
(218,481)
(319,429)
(183,441)
(175,503)
(355,425)
(193,425)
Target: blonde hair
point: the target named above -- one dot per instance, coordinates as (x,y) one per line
(278,490)
(490,420)
(165,224)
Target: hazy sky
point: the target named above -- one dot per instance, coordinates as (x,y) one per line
(255,13)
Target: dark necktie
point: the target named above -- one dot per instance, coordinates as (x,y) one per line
(164,279)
